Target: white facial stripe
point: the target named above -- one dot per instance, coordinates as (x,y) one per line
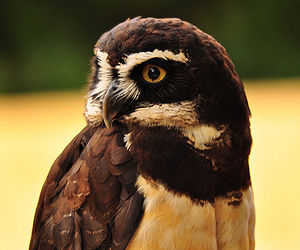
(93,109)
(169,115)
(105,73)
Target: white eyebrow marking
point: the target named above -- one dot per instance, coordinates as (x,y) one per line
(137,58)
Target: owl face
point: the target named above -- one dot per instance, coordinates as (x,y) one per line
(163,72)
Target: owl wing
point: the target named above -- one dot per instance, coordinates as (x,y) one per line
(89,199)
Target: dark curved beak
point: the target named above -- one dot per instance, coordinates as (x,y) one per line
(111,104)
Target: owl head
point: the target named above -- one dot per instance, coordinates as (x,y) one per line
(164,72)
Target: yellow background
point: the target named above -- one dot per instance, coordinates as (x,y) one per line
(34,129)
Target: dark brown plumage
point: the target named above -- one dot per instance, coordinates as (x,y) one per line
(89,183)
(182,142)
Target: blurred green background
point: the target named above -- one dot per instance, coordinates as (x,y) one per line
(46,45)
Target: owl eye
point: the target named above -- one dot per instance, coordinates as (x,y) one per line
(153,74)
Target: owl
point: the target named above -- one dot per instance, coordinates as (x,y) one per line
(163,160)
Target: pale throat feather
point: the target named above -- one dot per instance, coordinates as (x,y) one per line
(172,221)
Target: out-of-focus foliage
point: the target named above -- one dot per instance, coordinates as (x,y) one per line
(46,45)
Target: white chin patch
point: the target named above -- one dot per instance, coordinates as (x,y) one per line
(180,116)
(168,115)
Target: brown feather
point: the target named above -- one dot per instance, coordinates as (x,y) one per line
(85,192)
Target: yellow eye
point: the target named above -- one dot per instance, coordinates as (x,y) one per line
(153,74)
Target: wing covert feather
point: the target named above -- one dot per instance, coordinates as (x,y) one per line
(89,199)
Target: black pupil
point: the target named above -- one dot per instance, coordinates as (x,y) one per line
(153,73)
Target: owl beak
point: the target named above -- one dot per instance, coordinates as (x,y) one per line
(110,106)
